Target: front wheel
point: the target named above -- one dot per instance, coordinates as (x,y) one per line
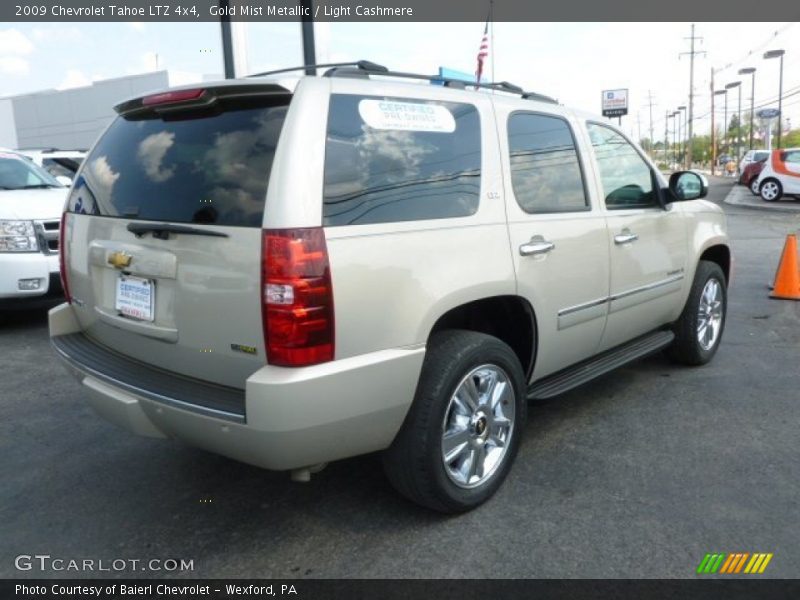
(463,430)
(699,329)
(771,190)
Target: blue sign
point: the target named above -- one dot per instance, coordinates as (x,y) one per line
(769,113)
(446,73)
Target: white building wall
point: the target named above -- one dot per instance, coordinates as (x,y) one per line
(8,132)
(74,118)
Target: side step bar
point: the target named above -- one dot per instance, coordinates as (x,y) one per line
(572,377)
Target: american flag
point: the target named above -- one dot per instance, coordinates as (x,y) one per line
(483,52)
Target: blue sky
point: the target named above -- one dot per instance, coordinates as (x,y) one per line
(571,61)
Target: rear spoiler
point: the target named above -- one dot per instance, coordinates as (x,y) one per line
(180,99)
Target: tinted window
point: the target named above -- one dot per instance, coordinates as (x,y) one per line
(627,180)
(400,160)
(60,167)
(759,156)
(545,171)
(194,168)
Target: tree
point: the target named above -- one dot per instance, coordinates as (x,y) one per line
(791,139)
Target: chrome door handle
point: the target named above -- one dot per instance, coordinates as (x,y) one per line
(625,237)
(537,245)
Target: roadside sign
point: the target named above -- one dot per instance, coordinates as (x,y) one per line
(615,103)
(768,113)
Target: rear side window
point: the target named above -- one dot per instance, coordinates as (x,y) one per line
(396,159)
(545,171)
(209,167)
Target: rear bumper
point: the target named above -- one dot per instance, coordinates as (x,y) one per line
(290,418)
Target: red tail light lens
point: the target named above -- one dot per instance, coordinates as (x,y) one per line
(171,97)
(297,297)
(62,256)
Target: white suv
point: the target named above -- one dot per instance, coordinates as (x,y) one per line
(31,204)
(294,273)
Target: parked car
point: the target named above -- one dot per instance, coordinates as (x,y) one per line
(59,163)
(724,159)
(31,203)
(290,273)
(749,176)
(780,175)
(750,157)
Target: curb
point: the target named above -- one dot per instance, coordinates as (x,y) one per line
(740,196)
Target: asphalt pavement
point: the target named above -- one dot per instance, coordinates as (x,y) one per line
(638,474)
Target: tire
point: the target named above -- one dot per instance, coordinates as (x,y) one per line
(771,190)
(415,463)
(753,185)
(691,346)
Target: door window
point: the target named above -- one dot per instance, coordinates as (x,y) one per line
(545,170)
(626,177)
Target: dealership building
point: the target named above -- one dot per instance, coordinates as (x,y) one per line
(73,118)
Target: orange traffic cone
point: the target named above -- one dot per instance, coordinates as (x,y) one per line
(787,278)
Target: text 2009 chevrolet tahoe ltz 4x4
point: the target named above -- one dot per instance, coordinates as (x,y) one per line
(290,273)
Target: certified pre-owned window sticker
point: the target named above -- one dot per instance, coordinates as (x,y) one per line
(406,116)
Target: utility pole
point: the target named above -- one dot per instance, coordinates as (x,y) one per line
(692,53)
(713,131)
(666,136)
(650,104)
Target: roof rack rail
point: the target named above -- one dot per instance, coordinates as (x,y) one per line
(539,97)
(365,68)
(360,64)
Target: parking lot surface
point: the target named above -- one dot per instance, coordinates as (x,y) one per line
(638,474)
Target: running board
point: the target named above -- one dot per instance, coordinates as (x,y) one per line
(572,377)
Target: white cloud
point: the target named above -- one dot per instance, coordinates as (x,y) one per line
(151,153)
(137,26)
(13,41)
(74,78)
(13,65)
(58,34)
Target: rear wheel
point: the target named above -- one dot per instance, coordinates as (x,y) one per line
(771,190)
(699,329)
(462,433)
(754,186)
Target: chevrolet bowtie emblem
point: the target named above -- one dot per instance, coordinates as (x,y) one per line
(119,260)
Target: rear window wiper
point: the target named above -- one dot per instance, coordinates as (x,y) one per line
(36,186)
(162,230)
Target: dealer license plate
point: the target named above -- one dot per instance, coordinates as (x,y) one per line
(135,297)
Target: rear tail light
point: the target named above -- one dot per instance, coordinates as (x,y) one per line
(297,297)
(62,256)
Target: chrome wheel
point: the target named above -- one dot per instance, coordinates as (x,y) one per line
(478,425)
(709,314)
(754,186)
(770,191)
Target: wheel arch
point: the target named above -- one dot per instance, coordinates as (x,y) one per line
(720,254)
(509,318)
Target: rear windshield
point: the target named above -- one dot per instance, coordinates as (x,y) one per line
(400,159)
(759,156)
(191,168)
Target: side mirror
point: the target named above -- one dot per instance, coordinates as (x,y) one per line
(688,185)
(64,180)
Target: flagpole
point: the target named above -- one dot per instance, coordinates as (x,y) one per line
(491,45)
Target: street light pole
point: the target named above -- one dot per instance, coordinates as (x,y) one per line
(738,86)
(683,137)
(675,135)
(724,123)
(778,54)
(752,72)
